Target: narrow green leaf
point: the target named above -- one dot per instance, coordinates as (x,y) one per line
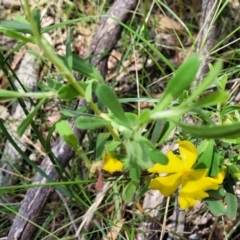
(69,54)
(144,116)
(52,85)
(109,99)
(89,89)
(17,36)
(207,81)
(214,170)
(65,131)
(215,132)
(160,124)
(27,121)
(112,145)
(129,191)
(181,81)
(165,131)
(37,19)
(68,92)
(232,204)
(231,198)
(17,26)
(209,158)
(22,154)
(74,113)
(90,123)
(205,159)
(211,100)
(221,83)
(100,145)
(84,67)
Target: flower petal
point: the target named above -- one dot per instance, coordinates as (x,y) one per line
(174,165)
(199,182)
(167,185)
(188,153)
(195,188)
(112,165)
(187,200)
(219,178)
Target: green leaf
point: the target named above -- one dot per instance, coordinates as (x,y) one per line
(144,117)
(90,123)
(217,194)
(68,92)
(165,131)
(112,145)
(215,206)
(207,81)
(88,92)
(205,159)
(135,172)
(210,100)
(214,170)
(17,26)
(27,121)
(232,204)
(232,108)
(132,119)
(17,36)
(215,132)
(109,99)
(159,127)
(221,83)
(181,81)
(100,145)
(74,113)
(158,157)
(230,198)
(142,191)
(138,154)
(84,67)
(37,19)
(69,54)
(142,156)
(209,158)
(52,85)
(20,18)
(233,169)
(129,191)
(65,131)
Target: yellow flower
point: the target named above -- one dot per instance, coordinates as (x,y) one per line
(179,172)
(112,165)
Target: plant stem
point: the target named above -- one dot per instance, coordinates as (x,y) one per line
(44,46)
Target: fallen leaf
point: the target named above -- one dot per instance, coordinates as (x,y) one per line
(114,231)
(169,24)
